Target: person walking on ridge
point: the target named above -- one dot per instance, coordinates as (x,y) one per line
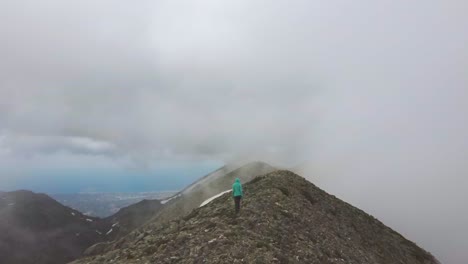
(237,194)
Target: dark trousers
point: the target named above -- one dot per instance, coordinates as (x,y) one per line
(237,200)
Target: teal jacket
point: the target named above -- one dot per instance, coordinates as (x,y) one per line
(237,188)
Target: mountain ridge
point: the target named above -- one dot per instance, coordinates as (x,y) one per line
(284,219)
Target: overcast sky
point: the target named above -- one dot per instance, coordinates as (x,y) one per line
(370,98)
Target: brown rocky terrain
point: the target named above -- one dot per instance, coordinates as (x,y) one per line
(284,219)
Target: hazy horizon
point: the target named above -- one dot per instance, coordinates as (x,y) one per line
(370,98)
(102,180)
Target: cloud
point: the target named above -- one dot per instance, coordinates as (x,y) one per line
(33,145)
(370,95)
(150,84)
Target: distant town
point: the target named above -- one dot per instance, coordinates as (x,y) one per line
(106,204)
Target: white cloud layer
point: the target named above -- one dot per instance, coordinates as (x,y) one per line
(372,95)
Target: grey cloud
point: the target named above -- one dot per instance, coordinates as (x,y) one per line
(371,96)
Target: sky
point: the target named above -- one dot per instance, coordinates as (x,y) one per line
(368,99)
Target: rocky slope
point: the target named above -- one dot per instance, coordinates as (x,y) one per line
(182,203)
(284,219)
(193,196)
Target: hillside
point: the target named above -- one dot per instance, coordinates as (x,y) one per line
(37,229)
(131,217)
(181,203)
(284,219)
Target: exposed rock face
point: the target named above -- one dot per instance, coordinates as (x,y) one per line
(284,219)
(35,228)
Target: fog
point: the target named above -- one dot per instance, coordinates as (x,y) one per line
(367,99)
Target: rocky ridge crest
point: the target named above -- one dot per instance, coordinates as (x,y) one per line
(284,219)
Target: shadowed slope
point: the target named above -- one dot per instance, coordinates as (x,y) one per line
(37,229)
(132,216)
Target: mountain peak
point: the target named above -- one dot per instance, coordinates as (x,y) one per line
(284,219)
